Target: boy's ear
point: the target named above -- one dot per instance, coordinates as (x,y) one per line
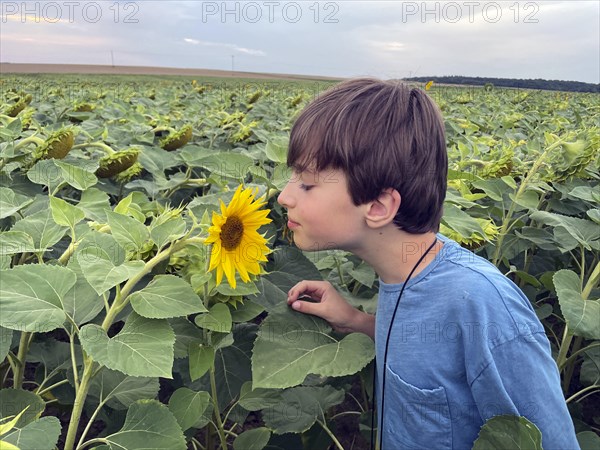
(383,209)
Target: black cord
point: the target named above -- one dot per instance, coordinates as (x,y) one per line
(387,343)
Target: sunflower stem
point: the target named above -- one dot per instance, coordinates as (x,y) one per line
(213,382)
(508,219)
(100,145)
(21,355)
(28,140)
(207,268)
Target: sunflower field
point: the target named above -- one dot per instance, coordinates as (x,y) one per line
(145,262)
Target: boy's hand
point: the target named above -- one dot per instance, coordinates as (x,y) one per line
(324,301)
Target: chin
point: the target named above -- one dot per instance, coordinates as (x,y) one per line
(315,246)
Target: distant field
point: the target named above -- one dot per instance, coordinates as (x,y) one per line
(133,70)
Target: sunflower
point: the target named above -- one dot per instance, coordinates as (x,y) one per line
(237,245)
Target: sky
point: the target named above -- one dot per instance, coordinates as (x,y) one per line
(557,40)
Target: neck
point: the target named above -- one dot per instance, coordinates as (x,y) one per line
(393,253)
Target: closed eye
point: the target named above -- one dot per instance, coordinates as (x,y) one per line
(305,187)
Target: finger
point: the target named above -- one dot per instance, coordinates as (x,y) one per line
(314,289)
(307,307)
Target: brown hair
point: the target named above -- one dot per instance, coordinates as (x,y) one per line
(382,134)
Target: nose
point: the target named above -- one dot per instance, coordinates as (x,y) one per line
(284,197)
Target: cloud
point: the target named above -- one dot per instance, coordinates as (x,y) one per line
(388,46)
(232,47)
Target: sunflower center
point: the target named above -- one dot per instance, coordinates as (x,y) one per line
(231,233)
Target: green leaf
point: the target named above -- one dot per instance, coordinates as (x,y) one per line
(233,364)
(508,431)
(240,289)
(129,207)
(276,150)
(102,274)
(255,439)
(581,315)
(95,203)
(588,440)
(166,296)
(42,228)
(39,435)
(590,368)
(594,214)
(13,401)
(5,341)
(80,177)
(120,391)
(292,345)
(494,188)
(364,274)
(5,427)
(510,181)
(13,242)
(246,311)
(31,297)
(291,260)
(155,160)
(586,232)
(305,405)
(528,199)
(202,358)
(149,425)
(168,232)
(144,347)
(587,193)
(52,354)
(47,173)
(64,213)
(270,295)
(129,233)
(542,238)
(11,202)
(189,407)
(82,303)
(225,164)
(97,245)
(281,175)
(461,222)
(186,333)
(257,399)
(528,278)
(218,318)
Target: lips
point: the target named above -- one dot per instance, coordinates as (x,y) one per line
(291,224)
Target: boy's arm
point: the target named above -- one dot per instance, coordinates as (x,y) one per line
(325,302)
(521,378)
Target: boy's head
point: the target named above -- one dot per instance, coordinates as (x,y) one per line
(382,134)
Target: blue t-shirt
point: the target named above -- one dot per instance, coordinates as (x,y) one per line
(465,346)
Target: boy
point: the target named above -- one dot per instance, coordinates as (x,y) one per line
(463,344)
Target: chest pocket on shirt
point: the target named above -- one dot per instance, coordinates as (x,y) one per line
(415,419)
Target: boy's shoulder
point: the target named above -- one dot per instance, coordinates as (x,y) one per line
(470,270)
(476,290)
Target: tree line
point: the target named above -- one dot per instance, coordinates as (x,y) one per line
(538,83)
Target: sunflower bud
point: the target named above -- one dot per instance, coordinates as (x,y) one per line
(83,107)
(130,173)
(27,118)
(21,104)
(295,101)
(254,97)
(57,146)
(116,163)
(178,139)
